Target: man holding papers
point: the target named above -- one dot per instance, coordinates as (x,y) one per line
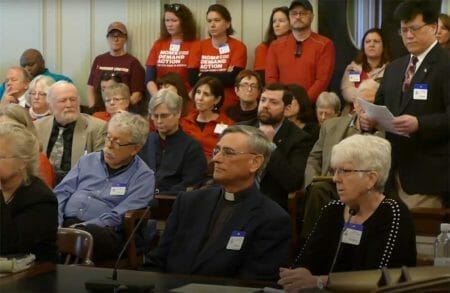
(416,89)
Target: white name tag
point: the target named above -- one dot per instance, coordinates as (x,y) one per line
(354,76)
(174,47)
(220,128)
(224,49)
(352,234)
(118,189)
(236,240)
(420,92)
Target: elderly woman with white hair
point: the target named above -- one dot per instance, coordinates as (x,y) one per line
(373,231)
(28,208)
(37,96)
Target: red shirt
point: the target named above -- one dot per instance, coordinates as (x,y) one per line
(167,58)
(46,170)
(208,58)
(260,57)
(312,70)
(102,115)
(207,138)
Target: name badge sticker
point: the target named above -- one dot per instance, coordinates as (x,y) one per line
(420,92)
(118,189)
(220,128)
(236,240)
(174,47)
(352,234)
(224,49)
(354,76)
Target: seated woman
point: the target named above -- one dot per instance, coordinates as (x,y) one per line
(379,230)
(328,106)
(116,98)
(16,113)
(37,96)
(107,79)
(206,123)
(176,158)
(29,210)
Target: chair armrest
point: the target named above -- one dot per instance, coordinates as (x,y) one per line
(130,221)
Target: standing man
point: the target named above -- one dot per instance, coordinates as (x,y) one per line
(231,229)
(67,135)
(416,89)
(119,62)
(290,145)
(303,57)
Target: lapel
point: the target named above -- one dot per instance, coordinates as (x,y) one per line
(282,133)
(419,76)
(241,215)
(79,139)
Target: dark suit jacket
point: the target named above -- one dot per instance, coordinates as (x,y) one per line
(421,160)
(286,168)
(265,248)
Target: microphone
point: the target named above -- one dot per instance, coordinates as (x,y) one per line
(113,285)
(352,211)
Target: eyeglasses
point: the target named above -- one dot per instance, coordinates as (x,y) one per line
(298,49)
(247,86)
(299,13)
(117,36)
(117,144)
(412,29)
(229,152)
(114,99)
(40,94)
(345,172)
(172,7)
(162,116)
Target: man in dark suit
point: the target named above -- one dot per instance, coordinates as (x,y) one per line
(230,230)
(416,89)
(290,145)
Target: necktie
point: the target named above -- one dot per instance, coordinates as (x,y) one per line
(57,151)
(409,73)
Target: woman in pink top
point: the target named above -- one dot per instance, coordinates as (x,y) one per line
(170,52)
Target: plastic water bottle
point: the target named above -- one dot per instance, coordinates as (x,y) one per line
(442,247)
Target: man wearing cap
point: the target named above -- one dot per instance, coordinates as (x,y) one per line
(119,62)
(302,57)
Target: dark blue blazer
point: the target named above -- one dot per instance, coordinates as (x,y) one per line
(421,160)
(264,250)
(180,164)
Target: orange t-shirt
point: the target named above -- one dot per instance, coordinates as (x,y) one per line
(207,138)
(260,57)
(168,56)
(208,58)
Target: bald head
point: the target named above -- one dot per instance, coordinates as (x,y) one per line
(33,62)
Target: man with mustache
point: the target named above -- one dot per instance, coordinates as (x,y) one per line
(67,135)
(103,186)
(290,145)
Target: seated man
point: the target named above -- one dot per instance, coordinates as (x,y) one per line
(103,186)
(67,135)
(230,230)
(16,84)
(176,158)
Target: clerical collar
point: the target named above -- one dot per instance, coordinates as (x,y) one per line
(229,196)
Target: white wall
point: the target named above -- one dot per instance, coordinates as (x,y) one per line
(70,33)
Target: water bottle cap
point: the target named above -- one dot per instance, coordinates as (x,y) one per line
(445,227)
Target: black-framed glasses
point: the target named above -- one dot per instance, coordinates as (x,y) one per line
(172,7)
(229,152)
(162,116)
(413,29)
(40,94)
(341,172)
(299,13)
(117,144)
(248,86)
(298,49)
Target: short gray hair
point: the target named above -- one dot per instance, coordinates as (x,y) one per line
(24,145)
(329,100)
(45,81)
(133,124)
(60,83)
(258,141)
(365,152)
(167,97)
(120,89)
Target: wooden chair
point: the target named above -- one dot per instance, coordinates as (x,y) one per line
(75,246)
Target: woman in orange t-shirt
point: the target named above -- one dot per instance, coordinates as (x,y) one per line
(278,26)
(206,122)
(170,52)
(220,55)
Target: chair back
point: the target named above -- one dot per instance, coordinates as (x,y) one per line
(75,246)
